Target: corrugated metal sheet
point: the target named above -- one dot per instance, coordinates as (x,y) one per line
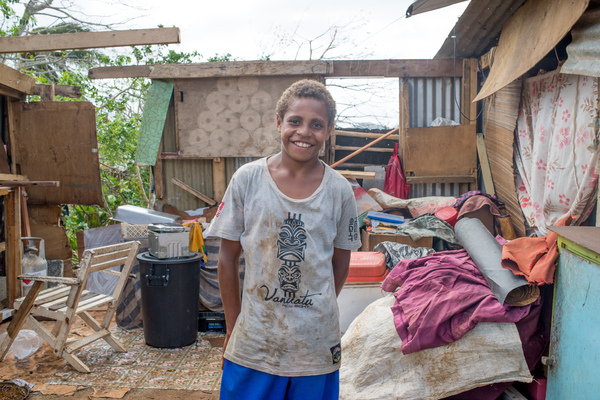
(478,29)
(584,50)
(196,173)
(429,99)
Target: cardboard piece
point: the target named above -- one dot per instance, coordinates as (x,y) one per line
(370,240)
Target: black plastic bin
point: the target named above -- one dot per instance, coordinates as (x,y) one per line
(170,298)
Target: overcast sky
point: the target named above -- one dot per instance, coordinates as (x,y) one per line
(249,30)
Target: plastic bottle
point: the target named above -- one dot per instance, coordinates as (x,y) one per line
(34,260)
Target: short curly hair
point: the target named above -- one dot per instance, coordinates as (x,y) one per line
(307,88)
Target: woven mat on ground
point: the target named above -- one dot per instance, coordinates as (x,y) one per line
(194,367)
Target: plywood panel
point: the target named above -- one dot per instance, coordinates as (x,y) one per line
(56,141)
(443,151)
(533,31)
(229,117)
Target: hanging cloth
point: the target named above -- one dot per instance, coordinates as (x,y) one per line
(395,180)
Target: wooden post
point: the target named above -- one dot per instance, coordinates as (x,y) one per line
(404,123)
(219,179)
(12,229)
(14,117)
(469,109)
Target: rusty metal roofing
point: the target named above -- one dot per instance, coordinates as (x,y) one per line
(478,29)
(584,50)
(421,6)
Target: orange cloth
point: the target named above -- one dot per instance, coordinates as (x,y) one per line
(533,258)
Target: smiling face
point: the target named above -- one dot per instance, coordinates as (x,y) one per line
(304,128)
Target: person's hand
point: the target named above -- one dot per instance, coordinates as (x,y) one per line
(227,336)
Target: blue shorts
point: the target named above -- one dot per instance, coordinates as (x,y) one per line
(241,383)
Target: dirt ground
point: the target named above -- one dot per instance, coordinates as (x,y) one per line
(135,394)
(42,365)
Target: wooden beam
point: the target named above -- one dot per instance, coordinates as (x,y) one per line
(14,79)
(404,122)
(241,68)
(485,165)
(441,179)
(393,68)
(340,68)
(127,71)
(30,183)
(194,192)
(59,90)
(357,174)
(219,179)
(367,135)
(12,231)
(10,92)
(88,40)
(14,109)
(365,147)
(353,148)
(12,177)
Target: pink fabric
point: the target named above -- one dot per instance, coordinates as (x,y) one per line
(440,298)
(395,180)
(556,156)
(477,202)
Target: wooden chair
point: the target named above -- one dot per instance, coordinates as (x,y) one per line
(70,299)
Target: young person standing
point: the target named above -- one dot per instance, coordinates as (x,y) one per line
(295,219)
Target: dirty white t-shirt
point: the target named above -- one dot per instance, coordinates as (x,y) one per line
(289,322)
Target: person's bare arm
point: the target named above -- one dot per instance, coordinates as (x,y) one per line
(341,264)
(229,283)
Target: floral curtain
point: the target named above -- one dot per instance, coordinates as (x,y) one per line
(556,149)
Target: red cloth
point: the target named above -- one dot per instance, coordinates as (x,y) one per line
(395,180)
(533,258)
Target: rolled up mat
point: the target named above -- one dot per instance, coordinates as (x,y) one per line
(486,253)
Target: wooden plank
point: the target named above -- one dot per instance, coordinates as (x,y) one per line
(55,237)
(70,91)
(357,174)
(367,135)
(18,319)
(365,147)
(14,79)
(532,31)
(12,93)
(485,165)
(487,60)
(2,246)
(442,179)
(55,279)
(57,142)
(241,68)
(12,177)
(393,68)
(4,191)
(127,71)
(336,68)
(441,151)
(29,183)
(374,149)
(12,231)
(87,340)
(469,83)
(194,192)
(14,129)
(107,264)
(404,122)
(88,40)
(219,179)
